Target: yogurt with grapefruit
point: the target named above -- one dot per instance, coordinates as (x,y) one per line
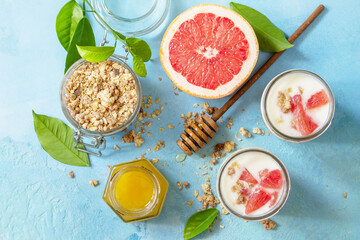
(297,104)
(253,184)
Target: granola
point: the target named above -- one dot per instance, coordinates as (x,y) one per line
(284,101)
(268,224)
(101,96)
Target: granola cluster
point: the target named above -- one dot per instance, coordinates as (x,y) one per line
(101,96)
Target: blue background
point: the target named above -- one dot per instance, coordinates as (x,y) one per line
(39,201)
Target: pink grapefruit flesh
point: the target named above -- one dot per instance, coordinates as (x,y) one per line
(317,100)
(209,51)
(302,122)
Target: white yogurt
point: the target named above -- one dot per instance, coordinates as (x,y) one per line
(310,85)
(254,162)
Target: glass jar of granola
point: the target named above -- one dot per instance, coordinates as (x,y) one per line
(99,99)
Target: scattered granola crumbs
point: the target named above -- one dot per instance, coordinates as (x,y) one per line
(195,105)
(93,182)
(148,151)
(174,87)
(207,179)
(268,224)
(208,199)
(129,137)
(229,146)
(224,211)
(170,126)
(186,184)
(213,161)
(108,166)
(236,136)
(138,140)
(157,147)
(160,78)
(161,107)
(244,132)
(190,203)
(219,147)
(112,138)
(161,143)
(203,156)
(230,123)
(161,129)
(157,100)
(257,123)
(267,133)
(149,134)
(155,160)
(221,226)
(210,168)
(71,174)
(258,131)
(176,93)
(196,193)
(204,105)
(345,195)
(116,147)
(204,173)
(245,221)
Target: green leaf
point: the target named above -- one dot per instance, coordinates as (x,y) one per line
(199,222)
(56,139)
(139,66)
(66,22)
(83,36)
(95,54)
(139,47)
(271,38)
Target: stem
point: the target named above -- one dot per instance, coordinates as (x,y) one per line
(83,7)
(107,25)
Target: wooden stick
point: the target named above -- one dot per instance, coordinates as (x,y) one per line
(267,65)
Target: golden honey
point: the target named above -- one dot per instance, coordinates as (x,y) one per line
(135,190)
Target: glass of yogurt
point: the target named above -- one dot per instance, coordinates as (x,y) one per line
(297,105)
(253,184)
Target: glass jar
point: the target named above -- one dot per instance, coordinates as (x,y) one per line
(132,18)
(135,191)
(282,198)
(297,139)
(96,137)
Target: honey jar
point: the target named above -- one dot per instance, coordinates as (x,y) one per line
(135,190)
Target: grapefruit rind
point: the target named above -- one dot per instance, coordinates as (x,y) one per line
(229,87)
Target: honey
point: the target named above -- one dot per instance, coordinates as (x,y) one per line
(135,190)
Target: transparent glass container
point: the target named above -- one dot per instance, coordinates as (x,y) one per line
(154,206)
(96,137)
(132,18)
(282,198)
(297,139)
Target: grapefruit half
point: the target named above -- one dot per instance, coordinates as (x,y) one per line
(209,51)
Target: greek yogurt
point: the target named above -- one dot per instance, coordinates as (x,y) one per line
(298,104)
(251,183)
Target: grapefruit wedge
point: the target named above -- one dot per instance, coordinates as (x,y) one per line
(209,51)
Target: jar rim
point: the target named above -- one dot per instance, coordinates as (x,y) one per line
(151,204)
(112,131)
(281,202)
(296,139)
(136,26)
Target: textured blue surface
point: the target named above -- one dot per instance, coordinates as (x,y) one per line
(39,201)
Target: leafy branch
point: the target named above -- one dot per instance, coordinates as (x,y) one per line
(76,35)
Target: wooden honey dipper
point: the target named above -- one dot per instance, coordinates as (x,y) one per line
(200,132)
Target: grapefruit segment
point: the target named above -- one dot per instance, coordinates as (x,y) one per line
(256,200)
(272,179)
(274,197)
(209,51)
(317,100)
(247,177)
(302,122)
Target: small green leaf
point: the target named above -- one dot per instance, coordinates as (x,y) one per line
(139,66)
(199,222)
(56,139)
(83,36)
(139,47)
(271,38)
(95,54)
(66,22)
